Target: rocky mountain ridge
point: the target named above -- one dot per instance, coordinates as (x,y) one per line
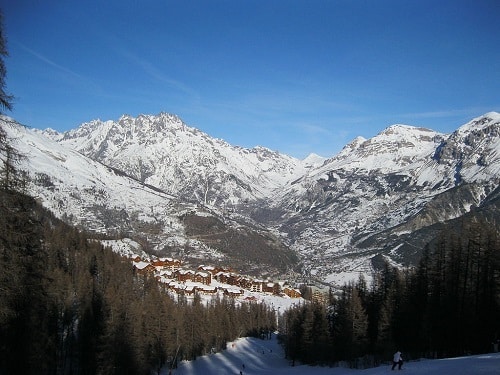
(155,178)
(164,152)
(361,199)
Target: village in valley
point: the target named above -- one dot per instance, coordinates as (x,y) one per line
(210,281)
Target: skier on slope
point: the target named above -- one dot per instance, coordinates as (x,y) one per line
(397,359)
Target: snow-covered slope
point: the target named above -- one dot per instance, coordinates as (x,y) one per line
(164,152)
(91,195)
(338,214)
(266,357)
(374,185)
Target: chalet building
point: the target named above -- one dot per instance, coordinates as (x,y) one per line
(234,279)
(184,275)
(205,289)
(173,285)
(168,263)
(135,258)
(216,270)
(220,276)
(227,278)
(173,264)
(292,292)
(270,287)
(210,269)
(167,274)
(245,282)
(232,292)
(189,290)
(158,263)
(203,277)
(257,285)
(144,268)
(181,288)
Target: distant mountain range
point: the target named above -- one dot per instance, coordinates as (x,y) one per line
(177,191)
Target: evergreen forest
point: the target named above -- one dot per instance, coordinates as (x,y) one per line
(70,306)
(449,305)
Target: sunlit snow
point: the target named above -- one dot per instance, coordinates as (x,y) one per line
(266,357)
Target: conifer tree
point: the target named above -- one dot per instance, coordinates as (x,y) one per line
(5,99)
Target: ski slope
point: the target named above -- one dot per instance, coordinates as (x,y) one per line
(266,357)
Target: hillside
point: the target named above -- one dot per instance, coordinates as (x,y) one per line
(267,357)
(179,192)
(106,201)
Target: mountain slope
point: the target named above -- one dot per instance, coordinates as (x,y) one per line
(106,201)
(164,152)
(379,198)
(405,177)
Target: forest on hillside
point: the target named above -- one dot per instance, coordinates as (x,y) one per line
(447,306)
(70,306)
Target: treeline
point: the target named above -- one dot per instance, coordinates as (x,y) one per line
(70,306)
(448,305)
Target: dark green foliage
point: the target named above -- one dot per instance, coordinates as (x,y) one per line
(449,305)
(70,306)
(23,286)
(5,99)
(305,334)
(245,246)
(350,325)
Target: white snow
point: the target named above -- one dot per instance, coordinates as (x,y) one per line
(265,357)
(313,160)
(371,185)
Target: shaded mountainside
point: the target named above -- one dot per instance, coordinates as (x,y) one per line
(177,191)
(406,242)
(246,249)
(102,200)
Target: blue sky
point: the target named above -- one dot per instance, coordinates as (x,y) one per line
(294,76)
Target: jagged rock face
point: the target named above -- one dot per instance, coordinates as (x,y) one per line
(378,198)
(164,152)
(341,215)
(472,150)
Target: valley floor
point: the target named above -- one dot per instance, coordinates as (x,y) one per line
(266,357)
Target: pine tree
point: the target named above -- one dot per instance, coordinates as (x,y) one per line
(23,282)
(5,99)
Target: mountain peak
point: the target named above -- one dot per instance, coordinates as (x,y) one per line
(162,151)
(398,131)
(347,204)
(480,123)
(492,115)
(313,160)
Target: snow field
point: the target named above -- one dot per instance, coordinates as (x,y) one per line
(266,357)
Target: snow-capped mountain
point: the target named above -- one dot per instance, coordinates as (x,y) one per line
(87,193)
(104,200)
(164,152)
(373,187)
(174,188)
